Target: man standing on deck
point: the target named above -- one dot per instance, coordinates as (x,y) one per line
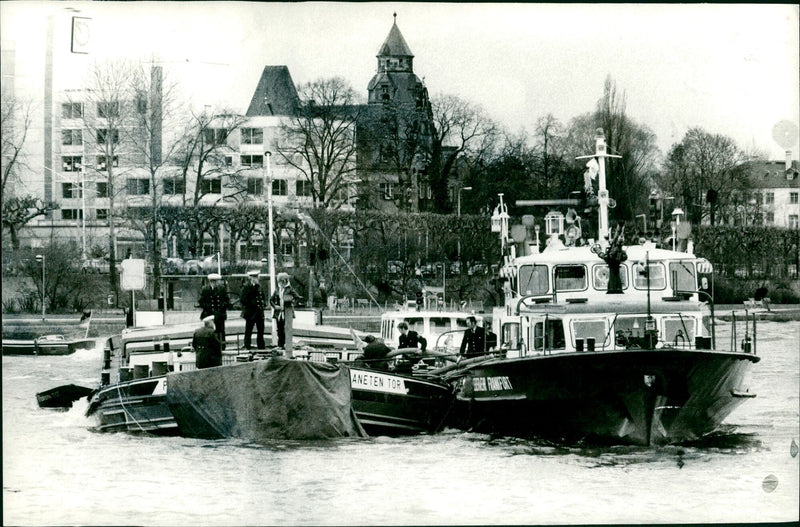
(214,301)
(253,303)
(206,344)
(474,342)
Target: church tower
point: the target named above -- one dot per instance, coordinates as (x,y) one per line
(395,80)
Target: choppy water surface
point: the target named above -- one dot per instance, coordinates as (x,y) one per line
(57,471)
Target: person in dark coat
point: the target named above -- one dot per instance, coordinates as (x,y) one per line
(254,301)
(375,352)
(474,342)
(282,302)
(410,338)
(214,301)
(206,344)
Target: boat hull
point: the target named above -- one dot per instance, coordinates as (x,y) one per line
(640,397)
(397,405)
(136,406)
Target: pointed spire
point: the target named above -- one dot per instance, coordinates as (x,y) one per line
(395,45)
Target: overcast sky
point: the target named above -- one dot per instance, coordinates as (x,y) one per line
(730,69)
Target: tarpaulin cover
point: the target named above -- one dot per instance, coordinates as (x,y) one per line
(267,399)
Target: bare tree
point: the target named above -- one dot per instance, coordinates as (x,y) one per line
(703,166)
(107,111)
(461,130)
(18,207)
(319,141)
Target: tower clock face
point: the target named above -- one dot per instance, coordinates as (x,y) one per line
(80,35)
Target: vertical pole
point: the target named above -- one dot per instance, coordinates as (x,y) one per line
(271,256)
(83,208)
(43,287)
(602,192)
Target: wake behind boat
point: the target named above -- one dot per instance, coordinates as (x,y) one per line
(605,342)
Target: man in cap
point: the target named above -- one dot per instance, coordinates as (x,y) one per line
(206,344)
(282,302)
(214,301)
(254,301)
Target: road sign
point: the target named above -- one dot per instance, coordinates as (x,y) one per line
(133,277)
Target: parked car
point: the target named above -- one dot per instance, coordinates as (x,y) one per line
(98,266)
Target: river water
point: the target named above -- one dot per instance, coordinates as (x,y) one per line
(57,471)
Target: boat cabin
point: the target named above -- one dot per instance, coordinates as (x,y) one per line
(442,329)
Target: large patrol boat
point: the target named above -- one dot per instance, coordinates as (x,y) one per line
(604,342)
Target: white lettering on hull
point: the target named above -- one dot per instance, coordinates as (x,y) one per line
(377,382)
(491,384)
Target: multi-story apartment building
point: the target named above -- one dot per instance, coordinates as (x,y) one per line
(97,165)
(777,194)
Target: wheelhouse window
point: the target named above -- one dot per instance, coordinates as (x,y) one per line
(533,280)
(682,276)
(654,273)
(570,278)
(629,327)
(600,274)
(678,331)
(510,334)
(590,329)
(416,324)
(548,335)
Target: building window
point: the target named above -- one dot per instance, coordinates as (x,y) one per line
(770,218)
(794,221)
(138,187)
(215,136)
(793,197)
(102,189)
(104,134)
(252,160)
(103,166)
(71,137)
(211,186)
(173,186)
(228,161)
(303,187)
(101,214)
(108,109)
(70,190)
(72,110)
(769,198)
(255,186)
(279,187)
(71,163)
(387,190)
(71,214)
(252,136)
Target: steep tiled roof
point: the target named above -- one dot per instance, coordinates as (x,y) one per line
(275,93)
(773,174)
(395,45)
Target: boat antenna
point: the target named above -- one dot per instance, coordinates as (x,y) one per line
(597,167)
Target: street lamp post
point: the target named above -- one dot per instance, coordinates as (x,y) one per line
(41,259)
(458,214)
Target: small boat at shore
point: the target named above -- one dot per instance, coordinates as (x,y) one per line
(46,345)
(604,342)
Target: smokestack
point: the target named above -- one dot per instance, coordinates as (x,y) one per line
(788,159)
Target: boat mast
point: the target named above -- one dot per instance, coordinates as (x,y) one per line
(598,167)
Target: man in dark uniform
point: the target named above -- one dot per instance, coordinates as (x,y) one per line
(214,301)
(474,342)
(409,339)
(206,344)
(253,303)
(375,353)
